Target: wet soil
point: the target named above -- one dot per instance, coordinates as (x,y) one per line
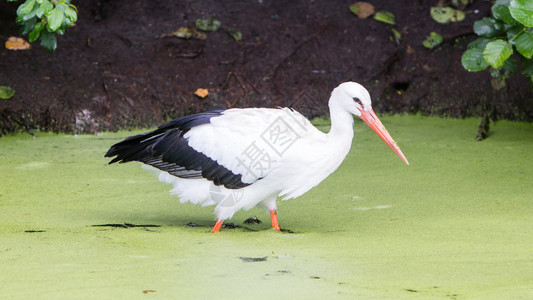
(119,67)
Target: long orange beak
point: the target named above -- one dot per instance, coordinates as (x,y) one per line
(372,120)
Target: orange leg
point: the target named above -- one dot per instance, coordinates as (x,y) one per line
(274,218)
(217,226)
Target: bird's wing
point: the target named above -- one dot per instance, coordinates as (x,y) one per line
(234,148)
(250,142)
(167,149)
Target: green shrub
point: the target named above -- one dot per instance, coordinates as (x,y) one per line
(508,31)
(43,19)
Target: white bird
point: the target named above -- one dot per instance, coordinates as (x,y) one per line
(241,158)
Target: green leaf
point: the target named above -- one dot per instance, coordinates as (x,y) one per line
(207,24)
(28,26)
(497,52)
(441,14)
(71,15)
(446,14)
(44,9)
(527,68)
(524,44)
(480,43)
(54,19)
(26,8)
(31,14)
(522,11)
(488,27)
(510,66)
(385,17)
(473,60)
(61,5)
(459,15)
(397,34)
(236,34)
(6,92)
(513,32)
(48,40)
(73,7)
(34,34)
(501,12)
(502,2)
(432,40)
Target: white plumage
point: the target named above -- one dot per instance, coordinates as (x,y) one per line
(241,158)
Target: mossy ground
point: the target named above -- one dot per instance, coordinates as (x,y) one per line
(455,224)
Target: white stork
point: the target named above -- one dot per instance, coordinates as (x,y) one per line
(241,158)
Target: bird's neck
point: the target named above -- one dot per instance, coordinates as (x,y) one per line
(338,142)
(341,124)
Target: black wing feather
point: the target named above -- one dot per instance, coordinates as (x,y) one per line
(166,149)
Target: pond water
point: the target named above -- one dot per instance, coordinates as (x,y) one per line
(455,224)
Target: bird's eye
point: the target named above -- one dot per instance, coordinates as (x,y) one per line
(358,101)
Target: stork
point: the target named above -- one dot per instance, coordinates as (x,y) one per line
(241,158)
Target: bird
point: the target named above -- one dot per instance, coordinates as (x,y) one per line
(239,158)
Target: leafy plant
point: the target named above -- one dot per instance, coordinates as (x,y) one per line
(235,34)
(43,19)
(385,17)
(433,40)
(508,31)
(207,24)
(446,14)
(6,92)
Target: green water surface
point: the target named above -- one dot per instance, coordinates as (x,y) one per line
(455,224)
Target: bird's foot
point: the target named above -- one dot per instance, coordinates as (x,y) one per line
(217,226)
(274,218)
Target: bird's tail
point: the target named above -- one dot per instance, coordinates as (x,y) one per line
(139,147)
(133,148)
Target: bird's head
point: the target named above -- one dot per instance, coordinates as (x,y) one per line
(355,99)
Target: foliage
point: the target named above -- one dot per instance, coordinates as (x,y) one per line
(446,14)
(234,33)
(385,17)
(433,40)
(207,24)
(509,29)
(43,19)
(6,92)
